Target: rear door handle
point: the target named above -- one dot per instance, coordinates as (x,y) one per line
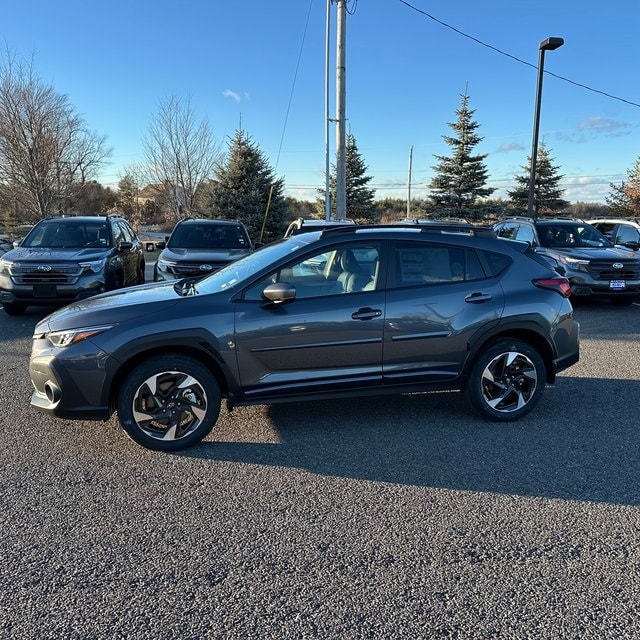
(477,298)
(366,314)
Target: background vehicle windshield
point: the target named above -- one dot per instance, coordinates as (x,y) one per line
(569,236)
(208,236)
(243,269)
(69,235)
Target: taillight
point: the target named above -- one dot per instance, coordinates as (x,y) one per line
(561,285)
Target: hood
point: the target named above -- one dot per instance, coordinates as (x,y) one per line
(204,255)
(43,254)
(113,307)
(596,253)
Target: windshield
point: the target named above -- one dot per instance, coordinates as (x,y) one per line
(571,236)
(243,269)
(68,235)
(208,236)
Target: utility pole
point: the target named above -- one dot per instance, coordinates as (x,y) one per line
(341,71)
(327,166)
(409,183)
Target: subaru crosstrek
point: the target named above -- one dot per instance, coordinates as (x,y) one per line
(356,311)
(62,260)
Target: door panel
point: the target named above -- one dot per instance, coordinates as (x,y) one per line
(310,345)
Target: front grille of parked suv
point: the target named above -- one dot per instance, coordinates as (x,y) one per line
(606,271)
(185,269)
(46,274)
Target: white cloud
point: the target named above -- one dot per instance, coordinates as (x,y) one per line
(505,148)
(227,93)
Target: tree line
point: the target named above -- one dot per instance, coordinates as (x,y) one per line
(50,161)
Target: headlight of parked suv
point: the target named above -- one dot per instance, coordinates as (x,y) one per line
(165,266)
(96,266)
(71,336)
(5,267)
(575,264)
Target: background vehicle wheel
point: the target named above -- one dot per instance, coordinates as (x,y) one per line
(13,308)
(506,380)
(169,403)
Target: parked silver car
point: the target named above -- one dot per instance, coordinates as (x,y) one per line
(595,267)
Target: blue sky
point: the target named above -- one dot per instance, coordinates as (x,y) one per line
(262,64)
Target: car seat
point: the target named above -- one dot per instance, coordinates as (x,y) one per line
(351,279)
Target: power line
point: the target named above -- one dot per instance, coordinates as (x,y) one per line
(508,55)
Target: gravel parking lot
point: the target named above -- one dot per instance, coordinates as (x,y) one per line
(403,517)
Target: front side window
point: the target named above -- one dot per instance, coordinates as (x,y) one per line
(627,234)
(350,268)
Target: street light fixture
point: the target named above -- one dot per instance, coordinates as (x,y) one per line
(550,44)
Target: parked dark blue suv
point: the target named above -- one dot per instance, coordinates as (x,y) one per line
(65,259)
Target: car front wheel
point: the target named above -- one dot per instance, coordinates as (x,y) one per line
(506,380)
(14,308)
(168,403)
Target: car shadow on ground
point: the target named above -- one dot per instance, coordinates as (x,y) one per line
(581,442)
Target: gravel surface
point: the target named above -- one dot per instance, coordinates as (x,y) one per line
(400,517)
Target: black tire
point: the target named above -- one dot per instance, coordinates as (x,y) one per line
(14,308)
(168,403)
(506,380)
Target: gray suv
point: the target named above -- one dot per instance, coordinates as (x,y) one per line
(595,267)
(62,260)
(351,311)
(197,247)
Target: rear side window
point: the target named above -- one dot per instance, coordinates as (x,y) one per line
(427,264)
(494,263)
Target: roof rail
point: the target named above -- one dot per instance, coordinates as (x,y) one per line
(470,229)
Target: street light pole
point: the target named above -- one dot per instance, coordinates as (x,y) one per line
(550,44)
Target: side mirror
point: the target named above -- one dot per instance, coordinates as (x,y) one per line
(279,292)
(125,246)
(632,245)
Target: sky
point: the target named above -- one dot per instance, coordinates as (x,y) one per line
(260,65)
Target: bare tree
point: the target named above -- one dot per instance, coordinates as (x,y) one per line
(181,154)
(45,148)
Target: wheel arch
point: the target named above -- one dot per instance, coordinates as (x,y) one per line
(524,333)
(196,352)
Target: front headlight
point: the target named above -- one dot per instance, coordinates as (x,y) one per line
(575,264)
(166,266)
(5,267)
(97,266)
(71,336)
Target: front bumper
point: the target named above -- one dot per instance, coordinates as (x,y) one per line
(69,383)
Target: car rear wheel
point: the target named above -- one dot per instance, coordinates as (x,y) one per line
(168,403)
(506,380)
(13,308)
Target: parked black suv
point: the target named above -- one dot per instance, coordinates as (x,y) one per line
(64,259)
(365,310)
(594,266)
(198,247)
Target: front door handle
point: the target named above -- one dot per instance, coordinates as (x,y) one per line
(477,298)
(367,313)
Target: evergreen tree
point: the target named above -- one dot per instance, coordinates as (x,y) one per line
(361,205)
(461,178)
(547,194)
(246,189)
(624,199)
